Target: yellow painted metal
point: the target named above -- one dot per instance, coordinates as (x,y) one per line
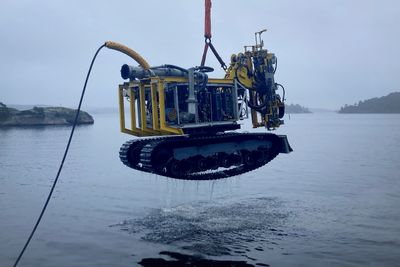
(144,128)
(174,79)
(163,126)
(154,104)
(133,130)
(159,126)
(132,107)
(220,81)
(143,119)
(121,108)
(154,86)
(236,70)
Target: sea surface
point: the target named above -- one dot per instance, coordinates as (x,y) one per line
(334,201)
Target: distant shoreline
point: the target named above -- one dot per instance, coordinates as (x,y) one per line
(389,104)
(296,109)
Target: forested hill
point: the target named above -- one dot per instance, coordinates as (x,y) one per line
(296,108)
(385,104)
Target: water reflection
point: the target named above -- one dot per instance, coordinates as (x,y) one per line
(178,259)
(213,229)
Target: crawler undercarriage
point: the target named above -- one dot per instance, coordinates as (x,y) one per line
(203,157)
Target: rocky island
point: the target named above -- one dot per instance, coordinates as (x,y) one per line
(41,116)
(384,104)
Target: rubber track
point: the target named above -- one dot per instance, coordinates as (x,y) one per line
(150,143)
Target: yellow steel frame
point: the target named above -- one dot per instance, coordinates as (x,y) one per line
(158,124)
(133,130)
(163,126)
(144,129)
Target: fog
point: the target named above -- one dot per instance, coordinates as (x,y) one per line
(330,53)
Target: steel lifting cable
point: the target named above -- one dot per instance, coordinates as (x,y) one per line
(207,36)
(62,161)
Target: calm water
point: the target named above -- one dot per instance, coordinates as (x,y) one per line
(334,201)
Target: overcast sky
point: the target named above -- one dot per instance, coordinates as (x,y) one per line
(330,52)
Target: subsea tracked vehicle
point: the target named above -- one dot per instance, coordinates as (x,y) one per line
(187,122)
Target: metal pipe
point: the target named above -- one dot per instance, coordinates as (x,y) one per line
(133,72)
(191,97)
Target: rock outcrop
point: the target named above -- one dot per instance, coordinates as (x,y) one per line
(41,116)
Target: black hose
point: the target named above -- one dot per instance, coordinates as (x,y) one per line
(203,77)
(205,81)
(258,108)
(62,161)
(170,66)
(283,90)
